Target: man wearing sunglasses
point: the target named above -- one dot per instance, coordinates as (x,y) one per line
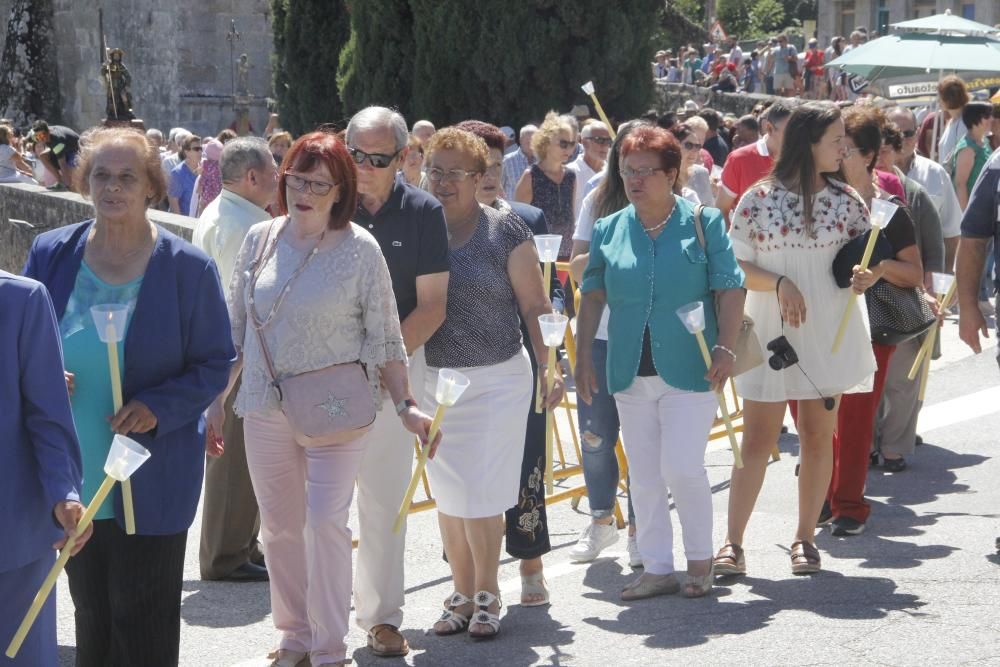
(596,144)
(410,228)
(935,180)
(748,164)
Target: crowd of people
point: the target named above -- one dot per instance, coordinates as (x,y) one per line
(298,340)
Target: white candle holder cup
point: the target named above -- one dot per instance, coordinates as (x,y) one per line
(588,87)
(553,327)
(693,316)
(450,386)
(882,212)
(110,318)
(548,247)
(125,457)
(941,282)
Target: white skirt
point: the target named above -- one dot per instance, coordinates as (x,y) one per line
(476,472)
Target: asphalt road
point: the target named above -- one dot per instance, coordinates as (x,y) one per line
(918,587)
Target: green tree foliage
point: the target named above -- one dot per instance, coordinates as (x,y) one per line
(29,85)
(376,65)
(768,16)
(751,18)
(511,62)
(308,37)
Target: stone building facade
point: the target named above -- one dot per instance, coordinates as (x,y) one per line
(176,51)
(840,17)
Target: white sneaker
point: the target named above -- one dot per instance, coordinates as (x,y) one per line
(595,538)
(634,559)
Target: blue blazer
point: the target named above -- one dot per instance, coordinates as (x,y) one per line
(38,445)
(178,351)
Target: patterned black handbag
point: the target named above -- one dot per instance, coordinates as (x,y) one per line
(897,314)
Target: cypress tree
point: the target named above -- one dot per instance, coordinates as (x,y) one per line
(29,82)
(376,65)
(308,37)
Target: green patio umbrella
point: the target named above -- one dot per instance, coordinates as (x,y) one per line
(910,53)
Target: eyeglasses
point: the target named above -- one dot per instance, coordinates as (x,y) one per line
(909,134)
(600,141)
(494,169)
(850,152)
(436,175)
(642,172)
(377,160)
(563,144)
(691,146)
(318,188)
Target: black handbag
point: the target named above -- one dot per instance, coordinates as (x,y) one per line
(897,314)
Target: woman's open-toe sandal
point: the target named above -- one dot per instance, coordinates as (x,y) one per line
(456,622)
(730,561)
(805,558)
(483,616)
(697,587)
(533,585)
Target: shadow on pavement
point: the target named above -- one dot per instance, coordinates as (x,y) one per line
(675,622)
(221,604)
(928,476)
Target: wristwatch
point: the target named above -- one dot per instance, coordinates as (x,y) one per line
(405,403)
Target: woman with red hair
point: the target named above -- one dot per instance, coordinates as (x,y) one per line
(316,293)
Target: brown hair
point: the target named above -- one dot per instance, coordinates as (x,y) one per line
(226,135)
(186,145)
(325,148)
(454,139)
(6,132)
(279,136)
(655,140)
(414,144)
(863,124)
(953,92)
(491,134)
(92,142)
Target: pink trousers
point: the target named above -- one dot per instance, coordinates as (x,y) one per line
(305,500)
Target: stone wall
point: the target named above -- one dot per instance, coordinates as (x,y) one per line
(671,96)
(177,53)
(42,210)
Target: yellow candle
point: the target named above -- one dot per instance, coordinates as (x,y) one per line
(418,472)
(928,344)
(549,425)
(547,282)
(116,393)
(869,248)
(706,355)
(50,580)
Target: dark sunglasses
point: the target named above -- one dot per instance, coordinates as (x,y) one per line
(909,134)
(563,144)
(377,160)
(600,141)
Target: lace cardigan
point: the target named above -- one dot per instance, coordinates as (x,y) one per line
(340,309)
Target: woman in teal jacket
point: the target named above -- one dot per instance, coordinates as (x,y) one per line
(645,262)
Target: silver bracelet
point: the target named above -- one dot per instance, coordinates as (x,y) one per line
(724,349)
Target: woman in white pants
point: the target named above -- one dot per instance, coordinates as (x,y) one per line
(645,262)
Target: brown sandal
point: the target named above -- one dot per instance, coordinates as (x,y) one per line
(730,561)
(805,558)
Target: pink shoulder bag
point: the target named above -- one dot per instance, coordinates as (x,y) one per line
(328,406)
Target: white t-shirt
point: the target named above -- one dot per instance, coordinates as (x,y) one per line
(583,232)
(7,168)
(583,175)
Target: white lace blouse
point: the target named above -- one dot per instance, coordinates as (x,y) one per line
(340,309)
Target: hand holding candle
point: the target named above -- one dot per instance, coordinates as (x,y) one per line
(450,386)
(553,326)
(589,89)
(944,286)
(693,317)
(881,213)
(547,246)
(110,319)
(123,460)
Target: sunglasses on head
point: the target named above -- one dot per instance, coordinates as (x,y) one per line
(377,160)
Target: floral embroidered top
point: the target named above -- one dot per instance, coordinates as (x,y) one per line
(340,309)
(768,231)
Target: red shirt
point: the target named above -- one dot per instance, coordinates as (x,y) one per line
(745,166)
(891,184)
(814,60)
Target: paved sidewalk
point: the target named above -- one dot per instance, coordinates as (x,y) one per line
(918,587)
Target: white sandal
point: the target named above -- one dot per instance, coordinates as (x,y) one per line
(456,621)
(534,584)
(483,616)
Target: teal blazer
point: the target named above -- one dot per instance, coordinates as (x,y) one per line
(646,281)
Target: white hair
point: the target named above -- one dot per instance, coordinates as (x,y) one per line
(374,118)
(420,124)
(153,133)
(529,128)
(588,129)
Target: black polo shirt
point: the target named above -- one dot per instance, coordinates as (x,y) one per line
(411,231)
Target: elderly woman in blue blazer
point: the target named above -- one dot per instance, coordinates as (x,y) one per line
(176,355)
(40,477)
(645,262)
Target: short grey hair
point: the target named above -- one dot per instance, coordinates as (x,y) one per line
(154,134)
(242,154)
(373,118)
(590,127)
(423,123)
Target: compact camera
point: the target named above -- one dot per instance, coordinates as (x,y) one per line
(782,354)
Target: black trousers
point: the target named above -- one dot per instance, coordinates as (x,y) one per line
(127,594)
(527,523)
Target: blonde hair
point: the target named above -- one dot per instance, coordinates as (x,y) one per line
(697,123)
(94,140)
(551,127)
(279,136)
(6,132)
(454,139)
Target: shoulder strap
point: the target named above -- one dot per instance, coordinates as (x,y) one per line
(255,272)
(697,226)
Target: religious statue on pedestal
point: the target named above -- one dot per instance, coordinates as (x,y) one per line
(118,87)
